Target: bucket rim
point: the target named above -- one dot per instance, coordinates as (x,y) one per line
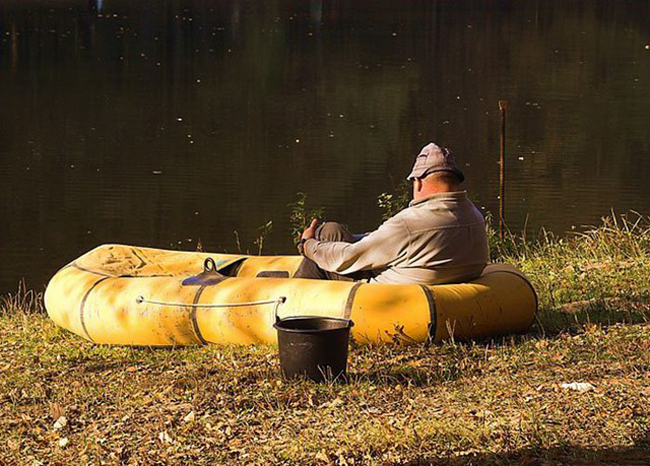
(276,325)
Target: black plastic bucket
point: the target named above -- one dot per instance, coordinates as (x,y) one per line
(316,347)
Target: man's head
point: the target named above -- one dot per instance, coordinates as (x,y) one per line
(435,171)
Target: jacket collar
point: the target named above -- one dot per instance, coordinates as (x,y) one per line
(454,196)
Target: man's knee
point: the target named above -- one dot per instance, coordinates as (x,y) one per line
(334,231)
(309,269)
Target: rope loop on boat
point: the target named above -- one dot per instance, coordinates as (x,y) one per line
(277,302)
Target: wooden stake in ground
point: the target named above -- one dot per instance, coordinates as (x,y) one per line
(502,168)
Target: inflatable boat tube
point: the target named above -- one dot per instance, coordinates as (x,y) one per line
(128,295)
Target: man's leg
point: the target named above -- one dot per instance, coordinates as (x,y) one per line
(328,231)
(333,231)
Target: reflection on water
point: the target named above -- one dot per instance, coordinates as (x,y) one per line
(168,122)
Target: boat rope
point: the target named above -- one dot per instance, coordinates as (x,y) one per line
(277,302)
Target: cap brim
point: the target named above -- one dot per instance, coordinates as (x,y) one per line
(416,174)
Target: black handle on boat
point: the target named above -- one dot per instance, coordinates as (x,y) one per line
(209,265)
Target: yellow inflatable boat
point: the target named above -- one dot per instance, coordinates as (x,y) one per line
(130,295)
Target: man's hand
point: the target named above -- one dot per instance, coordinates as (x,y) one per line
(310,231)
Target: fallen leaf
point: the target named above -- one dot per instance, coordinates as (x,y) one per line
(60,423)
(322,456)
(578,386)
(164,437)
(56,410)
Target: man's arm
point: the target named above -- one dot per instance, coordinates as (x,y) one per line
(377,250)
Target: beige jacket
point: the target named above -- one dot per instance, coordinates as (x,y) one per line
(438,239)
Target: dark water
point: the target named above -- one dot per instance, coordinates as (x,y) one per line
(161,123)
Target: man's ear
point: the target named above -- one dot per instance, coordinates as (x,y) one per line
(418,184)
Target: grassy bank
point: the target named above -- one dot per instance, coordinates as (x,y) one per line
(493,402)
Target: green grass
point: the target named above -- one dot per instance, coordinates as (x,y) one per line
(499,401)
(600,275)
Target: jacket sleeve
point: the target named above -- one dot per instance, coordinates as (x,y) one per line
(379,249)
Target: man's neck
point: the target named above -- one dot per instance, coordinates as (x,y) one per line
(437,188)
(419,200)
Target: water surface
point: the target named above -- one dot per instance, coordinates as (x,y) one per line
(165,123)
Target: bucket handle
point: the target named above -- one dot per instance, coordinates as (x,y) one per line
(280,300)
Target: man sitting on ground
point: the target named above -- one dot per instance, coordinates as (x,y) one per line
(439,238)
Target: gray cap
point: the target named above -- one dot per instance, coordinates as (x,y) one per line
(433,158)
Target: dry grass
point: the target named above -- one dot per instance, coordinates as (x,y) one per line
(493,402)
(21,302)
(464,403)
